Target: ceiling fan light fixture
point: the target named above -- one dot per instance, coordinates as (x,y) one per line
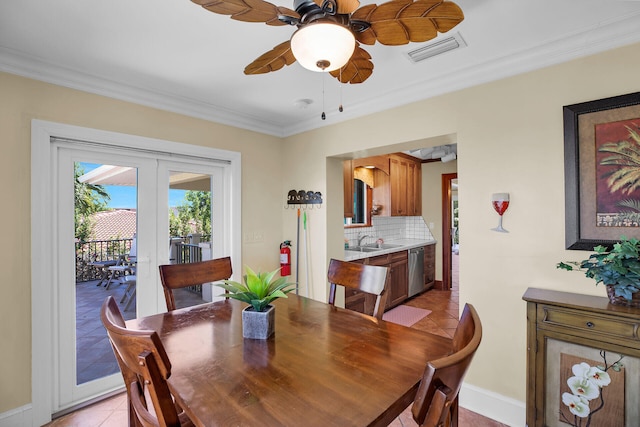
(323,46)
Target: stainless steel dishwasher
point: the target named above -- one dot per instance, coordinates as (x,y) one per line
(416,271)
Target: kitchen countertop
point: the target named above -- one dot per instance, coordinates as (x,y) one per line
(401,245)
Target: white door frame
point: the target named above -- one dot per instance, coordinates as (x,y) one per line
(43,233)
(67,393)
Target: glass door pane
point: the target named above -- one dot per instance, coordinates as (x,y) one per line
(105,208)
(189,209)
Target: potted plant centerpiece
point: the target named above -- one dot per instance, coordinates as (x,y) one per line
(258,290)
(618,269)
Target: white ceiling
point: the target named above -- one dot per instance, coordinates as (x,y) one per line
(177,56)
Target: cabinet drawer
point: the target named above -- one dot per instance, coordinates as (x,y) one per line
(588,322)
(382,260)
(398,256)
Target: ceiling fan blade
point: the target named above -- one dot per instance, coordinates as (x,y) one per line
(273,60)
(249,10)
(357,70)
(399,22)
(347,6)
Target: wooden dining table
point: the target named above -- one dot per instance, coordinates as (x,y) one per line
(324,366)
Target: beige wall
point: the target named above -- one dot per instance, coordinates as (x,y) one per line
(23,100)
(509,136)
(510,139)
(432,202)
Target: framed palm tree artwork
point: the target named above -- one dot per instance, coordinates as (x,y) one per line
(602,171)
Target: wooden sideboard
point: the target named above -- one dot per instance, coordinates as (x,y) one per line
(565,330)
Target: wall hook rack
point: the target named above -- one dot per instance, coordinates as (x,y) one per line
(305,198)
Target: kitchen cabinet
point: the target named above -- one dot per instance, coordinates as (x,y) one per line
(347,172)
(399,280)
(429,266)
(375,162)
(564,330)
(398,177)
(400,191)
(397,184)
(414,189)
(398,283)
(405,174)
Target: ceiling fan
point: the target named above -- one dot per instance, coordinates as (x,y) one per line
(330,32)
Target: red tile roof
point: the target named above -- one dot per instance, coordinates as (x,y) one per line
(113,224)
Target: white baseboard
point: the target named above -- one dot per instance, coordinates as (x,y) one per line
(504,409)
(18,417)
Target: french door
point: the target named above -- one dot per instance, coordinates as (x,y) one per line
(79,362)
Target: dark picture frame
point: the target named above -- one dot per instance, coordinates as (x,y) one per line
(581,232)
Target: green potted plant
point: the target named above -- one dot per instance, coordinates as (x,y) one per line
(618,269)
(258,290)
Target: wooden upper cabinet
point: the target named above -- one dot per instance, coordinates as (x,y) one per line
(398,175)
(414,199)
(397,180)
(347,171)
(406,185)
(378,162)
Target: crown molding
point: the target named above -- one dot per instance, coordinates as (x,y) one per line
(606,36)
(26,66)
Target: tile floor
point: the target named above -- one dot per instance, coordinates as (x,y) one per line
(442,321)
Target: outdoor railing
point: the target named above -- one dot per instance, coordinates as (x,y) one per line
(98,250)
(107,250)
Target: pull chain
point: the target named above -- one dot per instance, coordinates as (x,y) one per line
(324,116)
(340,80)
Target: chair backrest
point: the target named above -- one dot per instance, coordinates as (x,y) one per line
(437,397)
(133,250)
(371,279)
(144,365)
(176,276)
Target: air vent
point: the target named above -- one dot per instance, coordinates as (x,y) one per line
(436,48)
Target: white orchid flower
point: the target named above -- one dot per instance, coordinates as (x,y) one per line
(599,377)
(581,386)
(577,404)
(581,370)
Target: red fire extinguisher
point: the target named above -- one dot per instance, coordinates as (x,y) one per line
(285,258)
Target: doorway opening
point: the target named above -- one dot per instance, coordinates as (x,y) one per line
(449,228)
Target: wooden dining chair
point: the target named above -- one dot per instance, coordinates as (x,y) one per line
(371,279)
(436,402)
(145,368)
(176,276)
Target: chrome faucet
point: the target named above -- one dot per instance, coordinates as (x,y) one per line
(361,237)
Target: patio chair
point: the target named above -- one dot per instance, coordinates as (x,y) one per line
(125,264)
(103,266)
(130,291)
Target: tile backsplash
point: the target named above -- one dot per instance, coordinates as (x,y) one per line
(390,228)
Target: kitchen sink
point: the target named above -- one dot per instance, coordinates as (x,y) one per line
(388,246)
(364,249)
(370,249)
(373,247)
